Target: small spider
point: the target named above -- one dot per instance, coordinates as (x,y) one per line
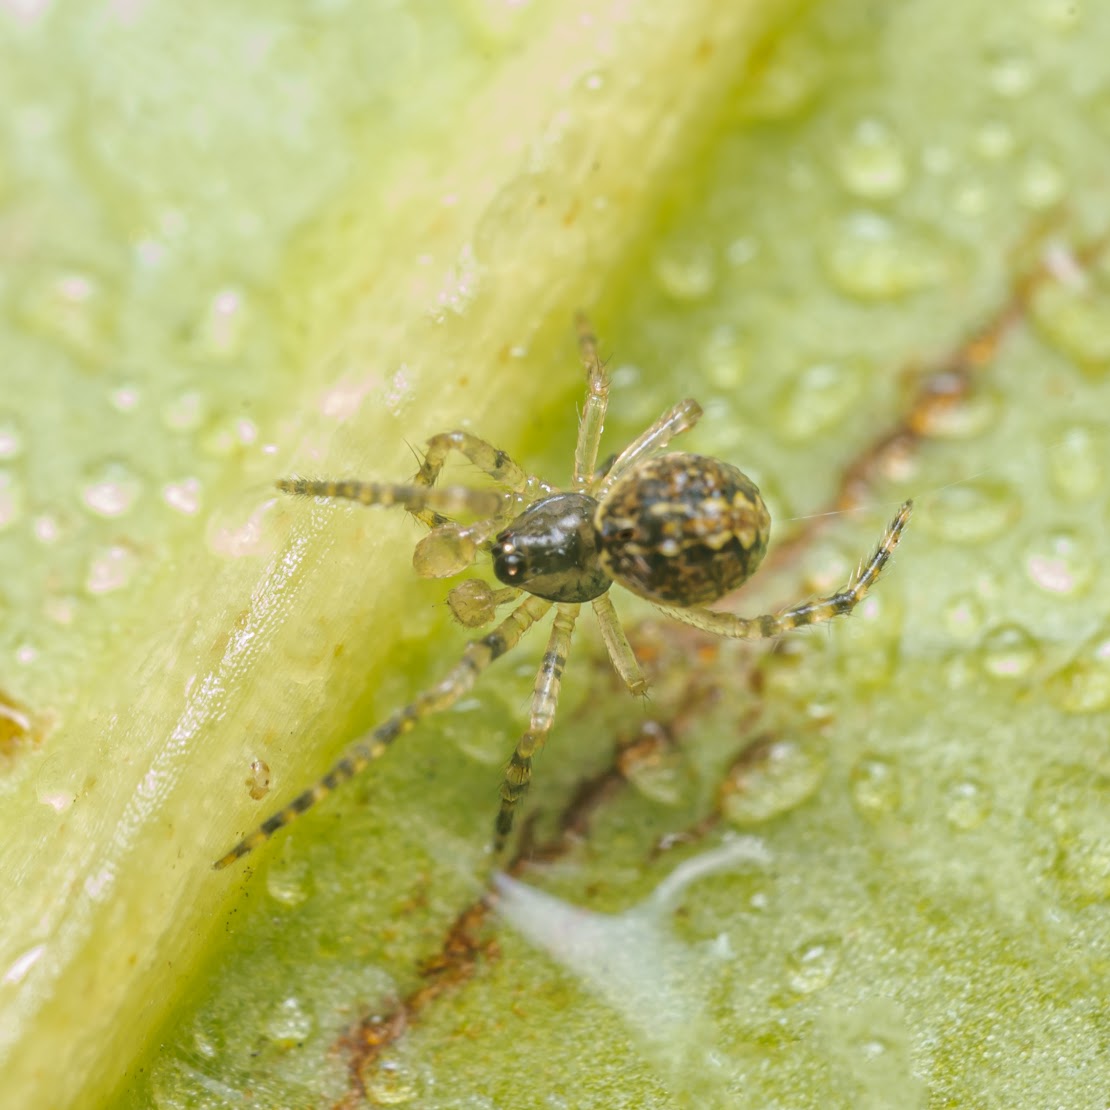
(677,529)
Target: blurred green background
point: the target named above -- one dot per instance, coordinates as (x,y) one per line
(242,242)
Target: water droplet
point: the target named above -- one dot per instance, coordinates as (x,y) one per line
(1075,463)
(1009,72)
(11,499)
(959,417)
(1082,685)
(110,568)
(1040,184)
(11,436)
(110,488)
(871,162)
(1061,563)
(185,412)
(289,881)
(207,1042)
(289,1023)
(57,782)
(587,93)
(71,309)
(60,608)
(47,528)
(1070,805)
(971,197)
(1008,651)
(811,966)
(125,398)
(686,271)
(242,528)
(876,787)
(468,725)
(869,258)
(657,772)
(1075,319)
(967,803)
(963,617)
(723,358)
(772,777)
(220,332)
(391,1083)
(972,512)
(995,141)
(184,496)
(817,399)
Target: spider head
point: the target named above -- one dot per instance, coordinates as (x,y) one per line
(550,550)
(682,529)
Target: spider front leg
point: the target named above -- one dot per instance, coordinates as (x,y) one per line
(592,420)
(418,499)
(487,458)
(545,699)
(477,656)
(808,612)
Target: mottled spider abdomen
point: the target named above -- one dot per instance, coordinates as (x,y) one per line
(682,529)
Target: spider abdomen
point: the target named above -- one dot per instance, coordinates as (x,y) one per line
(682,529)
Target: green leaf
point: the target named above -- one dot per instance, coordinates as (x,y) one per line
(252,243)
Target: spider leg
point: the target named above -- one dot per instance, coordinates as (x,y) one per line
(487,458)
(808,612)
(597,402)
(545,698)
(676,420)
(618,647)
(477,655)
(417,499)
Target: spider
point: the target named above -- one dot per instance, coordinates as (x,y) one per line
(677,529)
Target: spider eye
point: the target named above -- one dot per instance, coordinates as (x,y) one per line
(510,561)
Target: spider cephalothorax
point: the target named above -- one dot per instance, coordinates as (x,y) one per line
(680,530)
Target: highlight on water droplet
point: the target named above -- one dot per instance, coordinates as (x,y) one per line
(110,488)
(1070,806)
(876,787)
(871,163)
(686,271)
(812,964)
(817,399)
(1074,317)
(1075,461)
(872,259)
(289,1024)
(111,568)
(772,776)
(971,512)
(1008,651)
(1061,563)
(1082,685)
(967,803)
